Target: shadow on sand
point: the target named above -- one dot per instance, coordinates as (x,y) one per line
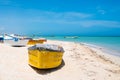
(18,45)
(46,71)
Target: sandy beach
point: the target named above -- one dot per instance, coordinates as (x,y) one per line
(80,62)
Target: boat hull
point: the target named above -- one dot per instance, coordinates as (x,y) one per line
(37,41)
(16,43)
(44,59)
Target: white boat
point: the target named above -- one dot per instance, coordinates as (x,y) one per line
(72,37)
(15,40)
(8,38)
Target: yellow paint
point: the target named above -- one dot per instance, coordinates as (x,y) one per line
(44,59)
(33,42)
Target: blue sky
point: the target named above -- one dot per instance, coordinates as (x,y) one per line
(60,17)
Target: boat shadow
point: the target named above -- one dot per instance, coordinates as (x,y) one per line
(46,71)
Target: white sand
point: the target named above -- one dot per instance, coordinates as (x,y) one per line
(80,63)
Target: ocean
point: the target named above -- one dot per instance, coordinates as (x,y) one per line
(109,44)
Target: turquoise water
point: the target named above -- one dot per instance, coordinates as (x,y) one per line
(110,44)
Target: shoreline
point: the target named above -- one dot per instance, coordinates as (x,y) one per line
(80,62)
(103,53)
(100,51)
(104,49)
(110,45)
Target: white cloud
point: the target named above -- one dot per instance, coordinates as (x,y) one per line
(84,23)
(59,15)
(102,11)
(99,23)
(77,15)
(73,18)
(69,18)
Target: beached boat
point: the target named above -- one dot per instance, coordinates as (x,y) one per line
(15,40)
(1,39)
(45,56)
(36,41)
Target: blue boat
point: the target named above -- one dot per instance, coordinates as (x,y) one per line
(1,39)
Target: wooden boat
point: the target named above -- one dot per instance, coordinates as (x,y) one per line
(17,43)
(14,40)
(45,58)
(36,41)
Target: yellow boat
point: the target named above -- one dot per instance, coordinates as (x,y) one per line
(45,58)
(36,41)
